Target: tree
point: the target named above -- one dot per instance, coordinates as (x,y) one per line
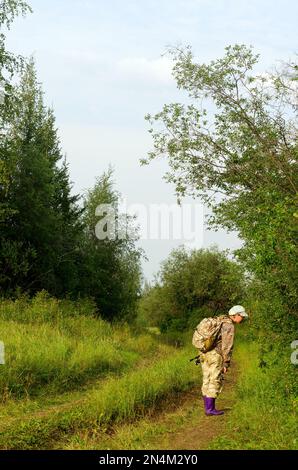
(38,237)
(9,63)
(245,151)
(191,285)
(9,66)
(110,269)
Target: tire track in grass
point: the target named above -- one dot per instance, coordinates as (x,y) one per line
(37,406)
(178,424)
(118,400)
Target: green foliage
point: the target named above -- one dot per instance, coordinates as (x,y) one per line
(245,151)
(268,313)
(110,269)
(47,240)
(10,9)
(41,228)
(9,66)
(39,218)
(192,285)
(265,412)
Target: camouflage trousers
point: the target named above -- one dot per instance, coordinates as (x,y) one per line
(212,365)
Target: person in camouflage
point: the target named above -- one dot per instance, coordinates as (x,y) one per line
(215,363)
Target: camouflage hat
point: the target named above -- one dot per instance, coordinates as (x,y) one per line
(238,309)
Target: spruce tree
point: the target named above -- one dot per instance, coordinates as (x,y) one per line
(43,223)
(111,271)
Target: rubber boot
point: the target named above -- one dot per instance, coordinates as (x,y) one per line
(210,407)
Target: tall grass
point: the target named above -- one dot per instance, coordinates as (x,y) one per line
(265,411)
(37,355)
(54,346)
(61,345)
(44,308)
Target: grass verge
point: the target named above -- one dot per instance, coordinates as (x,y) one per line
(118,400)
(264,416)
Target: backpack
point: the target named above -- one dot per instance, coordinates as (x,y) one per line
(206,332)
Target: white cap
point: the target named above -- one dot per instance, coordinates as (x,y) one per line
(238,309)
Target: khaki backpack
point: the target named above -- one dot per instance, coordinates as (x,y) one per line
(206,333)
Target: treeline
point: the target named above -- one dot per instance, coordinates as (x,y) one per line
(191,285)
(47,234)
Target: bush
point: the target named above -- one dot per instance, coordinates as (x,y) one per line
(191,285)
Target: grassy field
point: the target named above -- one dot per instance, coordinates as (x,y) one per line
(52,347)
(262,412)
(65,370)
(71,380)
(262,415)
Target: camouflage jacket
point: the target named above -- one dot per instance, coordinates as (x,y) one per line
(225,340)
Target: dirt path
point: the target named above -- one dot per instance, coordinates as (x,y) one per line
(202,429)
(178,424)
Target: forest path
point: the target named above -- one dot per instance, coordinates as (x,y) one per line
(179,423)
(202,429)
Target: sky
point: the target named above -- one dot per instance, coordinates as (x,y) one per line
(103,67)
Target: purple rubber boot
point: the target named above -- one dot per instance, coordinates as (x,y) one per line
(210,407)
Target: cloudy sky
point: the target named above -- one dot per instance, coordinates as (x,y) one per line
(102,67)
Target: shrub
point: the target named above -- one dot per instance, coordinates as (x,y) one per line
(192,284)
